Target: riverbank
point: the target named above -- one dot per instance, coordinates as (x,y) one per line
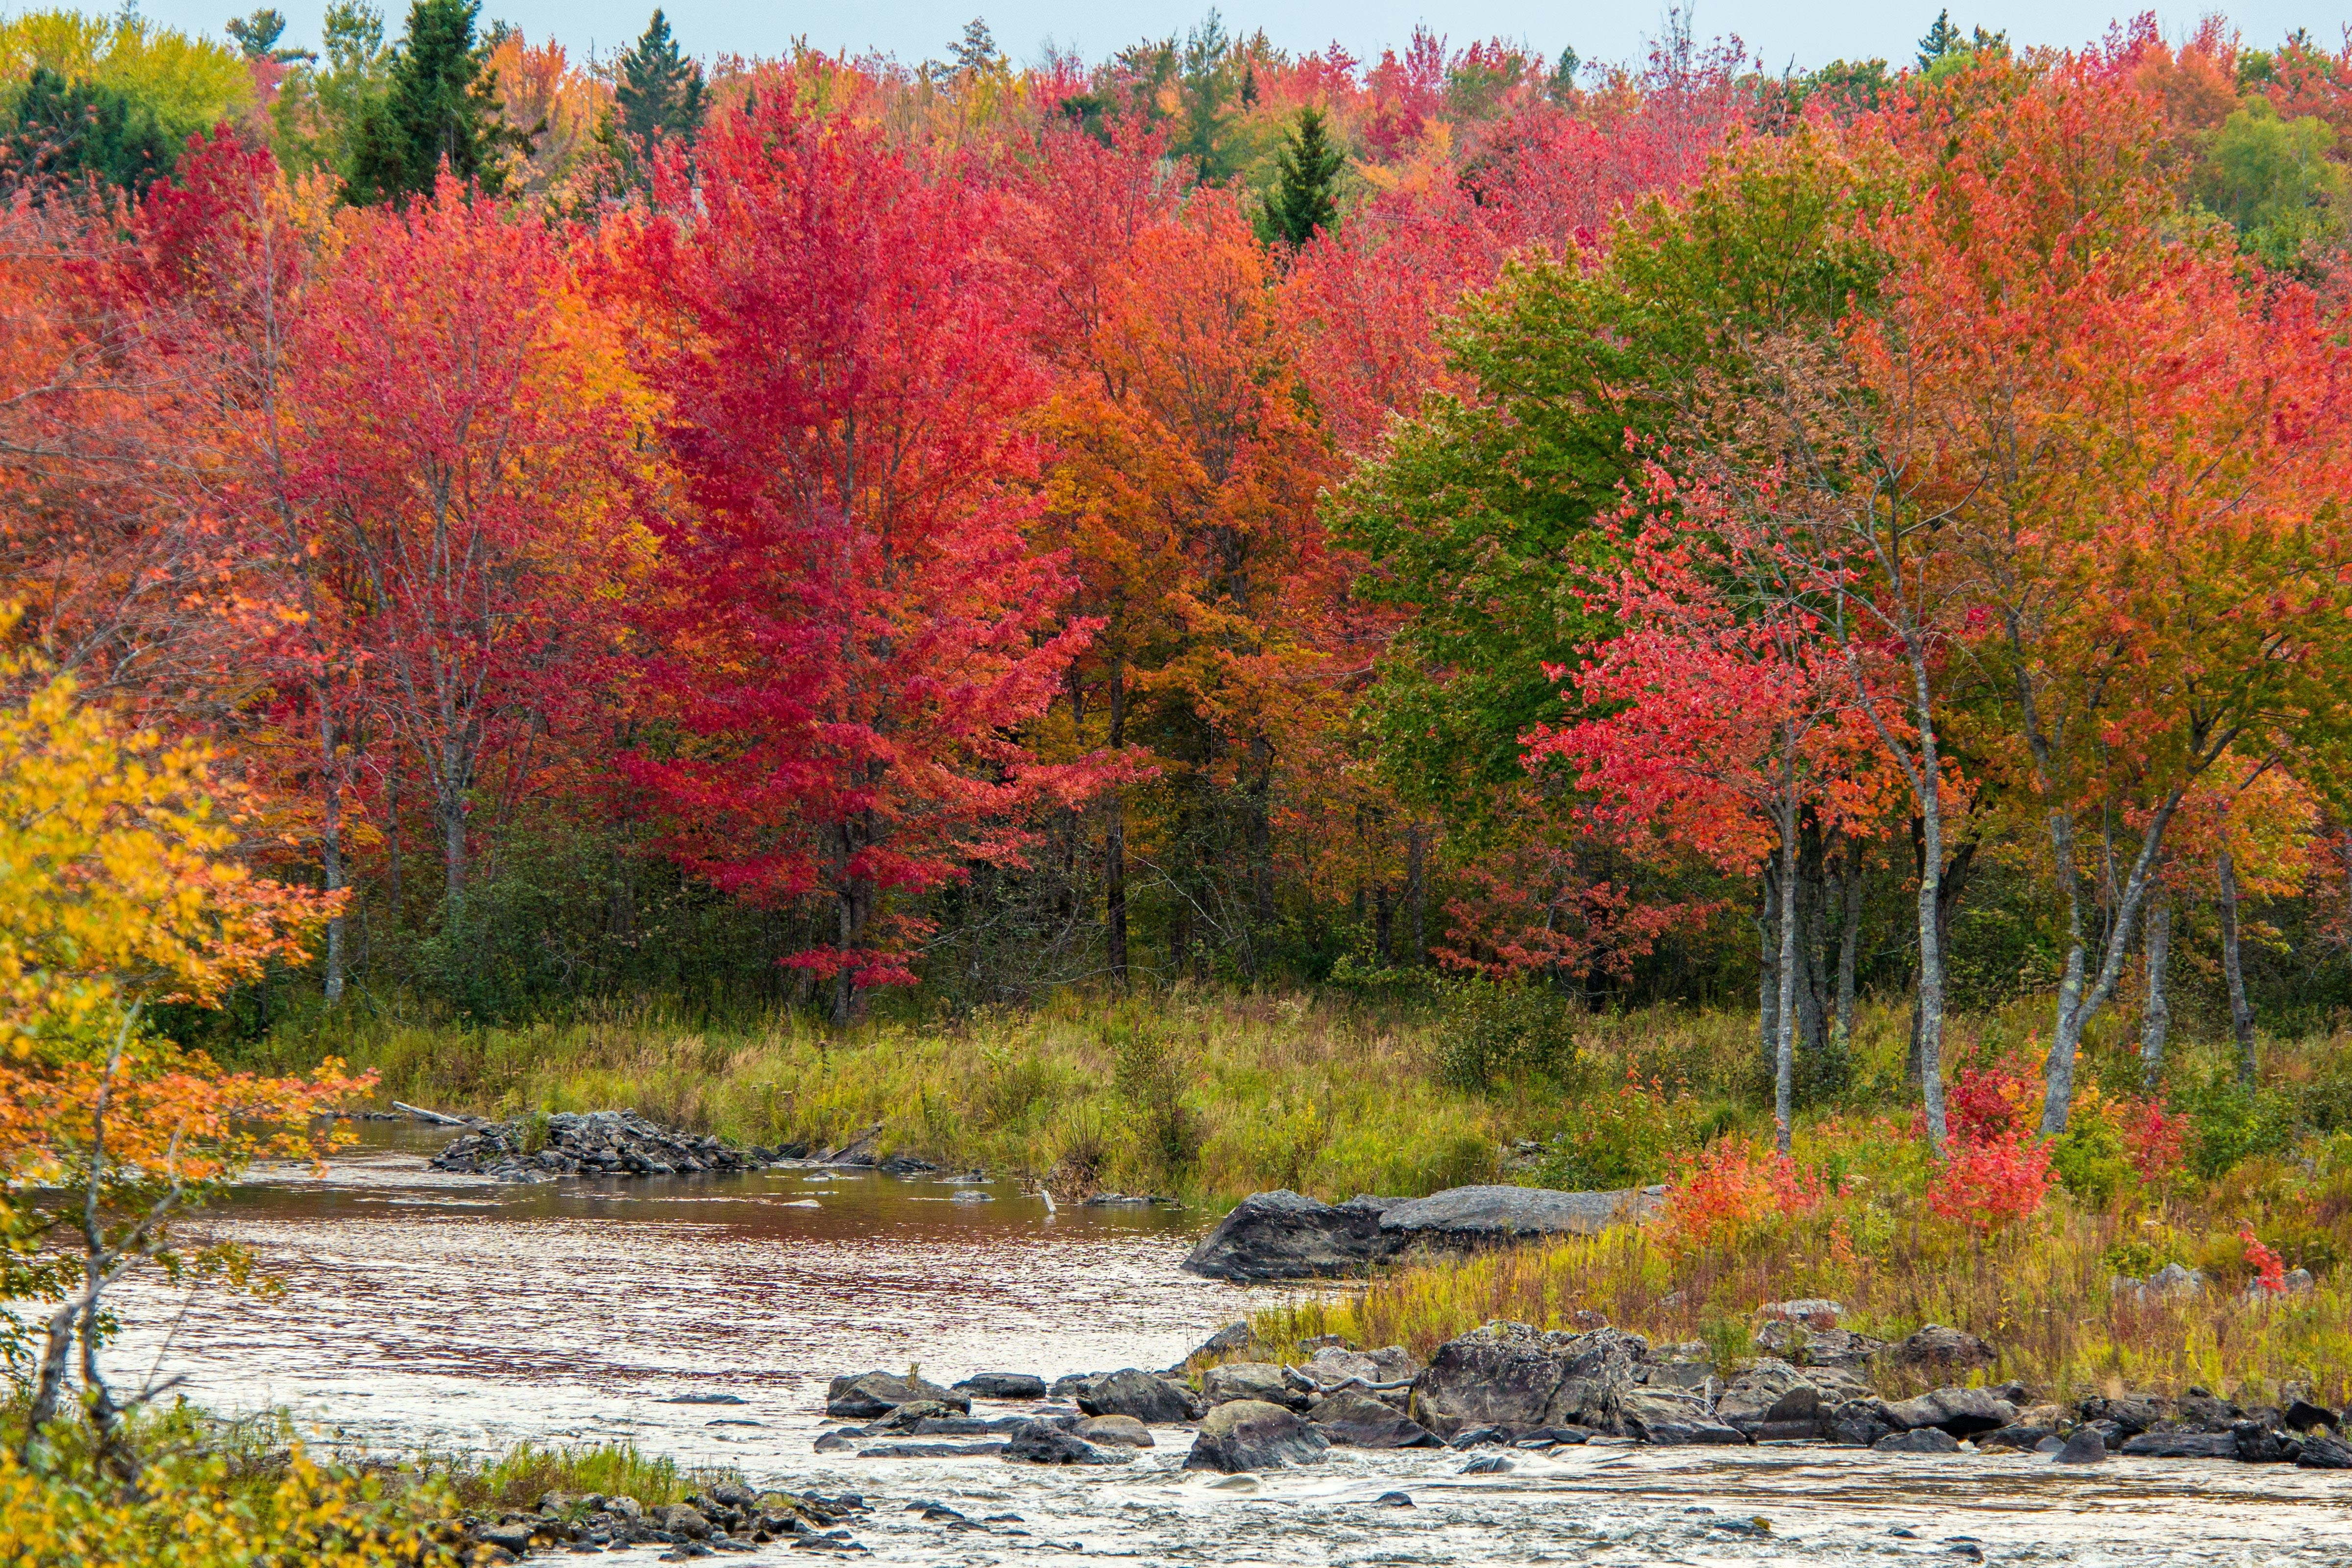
(1204,1096)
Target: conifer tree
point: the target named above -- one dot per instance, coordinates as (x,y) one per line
(658,90)
(976,50)
(1306,179)
(1939,40)
(441,106)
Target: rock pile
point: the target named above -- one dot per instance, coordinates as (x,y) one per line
(728,1518)
(1510,1385)
(594,1143)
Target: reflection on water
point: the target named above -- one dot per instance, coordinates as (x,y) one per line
(427,1308)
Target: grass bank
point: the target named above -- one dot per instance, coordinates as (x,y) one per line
(1208,1096)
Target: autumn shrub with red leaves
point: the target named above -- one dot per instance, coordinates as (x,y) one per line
(1732,1192)
(1996,1171)
(2157,1144)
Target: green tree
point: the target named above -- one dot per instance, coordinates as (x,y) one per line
(440,106)
(2275,181)
(1478,516)
(53,129)
(322,104)
(258,36)
(976,50)
(1939,40)
(1209,83)
(1562,85)
(1306,167)
(658,88)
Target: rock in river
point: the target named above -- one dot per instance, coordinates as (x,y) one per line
(1249,1435)
(1359,1421)
(862,1396)
(2085,1448)
(1039,1443)
(1260,1380)
(2182,1446)
(1002,1385)
(1520,1378)
(1962,1411)
(1925,1440)
(1152,1399)
(1281,1235)
(594,1143)
(1123,1430)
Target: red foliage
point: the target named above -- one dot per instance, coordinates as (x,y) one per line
(2270,1268)
(1730,1188)
(1991,1185)
(1995,1102)
(2154,1142)
(854,627)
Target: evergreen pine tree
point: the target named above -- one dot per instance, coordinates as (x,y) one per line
(976,50)
(1941,39)
(658,88)
(1306,179)
(258,36)
(53,129)
(439,105)
(1563,76)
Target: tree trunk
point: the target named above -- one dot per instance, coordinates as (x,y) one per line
(1767,983)
(1416,873)
(1114,840)
(2157,1021)
(1784,1057)
(331,841)
(2241,1015)
(2078,1005)
(1930,791)
(449,814)
(1849,941)
(392,890)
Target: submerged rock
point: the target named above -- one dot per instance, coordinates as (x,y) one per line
(1250,1435)
(591,1143)
(2182,1446)
(1924,1440)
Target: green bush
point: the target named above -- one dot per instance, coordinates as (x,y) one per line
(2233,1124)
(1493,1034)
(2090,1160)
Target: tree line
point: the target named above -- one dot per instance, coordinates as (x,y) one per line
(798,530)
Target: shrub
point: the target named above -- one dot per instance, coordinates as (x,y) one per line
(1992,1185)
(2233,1124)
(1496,1034)
(1621,1139)
(1731,1192)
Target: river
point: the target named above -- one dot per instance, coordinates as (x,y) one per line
(420,1309)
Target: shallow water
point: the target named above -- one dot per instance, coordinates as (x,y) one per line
(426,1308)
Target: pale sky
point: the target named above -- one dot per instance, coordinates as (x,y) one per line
(1808,35)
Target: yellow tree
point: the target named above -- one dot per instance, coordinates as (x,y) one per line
(118,888)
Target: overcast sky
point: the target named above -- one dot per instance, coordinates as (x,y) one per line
(1808,35)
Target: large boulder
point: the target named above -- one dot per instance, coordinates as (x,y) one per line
(1040,1443)
(1002,1385)
(1936,1352)
(1281,1235)
(1463,1217)
(1520,1378)
(1833,1347)
(861,1396)
(1250,1435)
(1355,1420)
(1152,1399)
(1925,1440)
(1962,1411)
(2324,1453)
(1669,1417)
(1259,1380)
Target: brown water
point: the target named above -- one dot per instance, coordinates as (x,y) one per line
(429,1309)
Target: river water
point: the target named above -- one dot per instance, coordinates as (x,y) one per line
(449,1311)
